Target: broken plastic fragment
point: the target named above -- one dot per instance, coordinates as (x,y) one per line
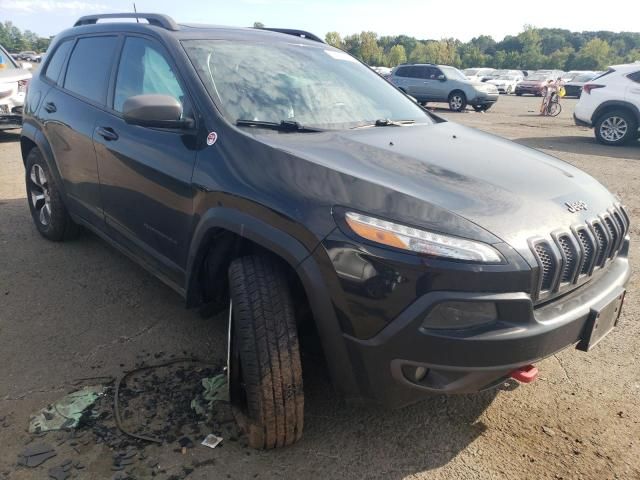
(215,390)
(211,441)
(66,412)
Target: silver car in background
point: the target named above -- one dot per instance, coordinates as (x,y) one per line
(442,83)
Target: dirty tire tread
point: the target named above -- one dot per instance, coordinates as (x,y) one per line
(61,227)
(269,352)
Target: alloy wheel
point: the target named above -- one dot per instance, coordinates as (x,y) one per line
(39,193)
(614,129)
(456,102)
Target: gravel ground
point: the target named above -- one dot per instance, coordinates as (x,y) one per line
(77,310)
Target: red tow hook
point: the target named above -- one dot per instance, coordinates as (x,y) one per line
(526,374)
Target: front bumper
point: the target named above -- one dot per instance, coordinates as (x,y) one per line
(462,361)
(581,123)
(482,98)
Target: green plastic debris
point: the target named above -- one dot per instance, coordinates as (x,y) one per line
(215,390)
(66,412)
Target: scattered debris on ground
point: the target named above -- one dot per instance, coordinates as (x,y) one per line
(211,441)
(167,404)
(35,455)
(66,412)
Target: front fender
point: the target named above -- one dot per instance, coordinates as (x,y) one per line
(300,257)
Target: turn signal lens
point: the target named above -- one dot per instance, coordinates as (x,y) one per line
(420,241)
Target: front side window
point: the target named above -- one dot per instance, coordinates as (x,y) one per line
(143,70)
(315,85)
(57,61)
(453,73)
(90,67)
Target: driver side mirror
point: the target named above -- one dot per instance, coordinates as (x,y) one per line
(442,78)
(155,111)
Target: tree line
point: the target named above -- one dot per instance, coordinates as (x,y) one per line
(532,49)
(15,40)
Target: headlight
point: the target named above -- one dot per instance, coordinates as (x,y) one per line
(420,241)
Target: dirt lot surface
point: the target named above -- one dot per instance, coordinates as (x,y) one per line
(80,309)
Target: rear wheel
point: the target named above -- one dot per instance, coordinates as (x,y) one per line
(616,127)
(457,101)
(554,109)
(45,201)
(265,373)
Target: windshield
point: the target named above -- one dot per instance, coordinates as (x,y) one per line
(470,72)
(6,62)
(506,77)
(537,77)
(453,73)
(315,86)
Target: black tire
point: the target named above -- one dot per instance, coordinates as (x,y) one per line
(457,101)
(518,94)
(264,367)
(45,201)
(610,125)
(482,108)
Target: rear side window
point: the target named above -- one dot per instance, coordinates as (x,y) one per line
(402,72)
(57,61)
(144,69)
(90,66)
(634,77)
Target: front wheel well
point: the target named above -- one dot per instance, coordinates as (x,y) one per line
(26,145)
(210,288)
(615,107)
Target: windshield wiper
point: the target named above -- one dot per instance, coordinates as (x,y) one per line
(385,122)
(283,126)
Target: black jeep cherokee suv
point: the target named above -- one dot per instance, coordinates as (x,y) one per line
(271,174)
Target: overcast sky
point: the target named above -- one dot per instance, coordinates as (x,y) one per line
(462,19)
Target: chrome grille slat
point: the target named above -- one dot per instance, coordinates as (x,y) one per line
(588,249)
(570,257)
(602,243)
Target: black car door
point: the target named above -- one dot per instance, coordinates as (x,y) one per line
(145,173)
(69,113)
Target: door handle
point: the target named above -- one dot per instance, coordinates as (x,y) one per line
(107,133)
(50,107)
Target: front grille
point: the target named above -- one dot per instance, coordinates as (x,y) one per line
(573,255)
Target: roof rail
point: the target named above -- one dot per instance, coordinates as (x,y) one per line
(295,33)
(156,19)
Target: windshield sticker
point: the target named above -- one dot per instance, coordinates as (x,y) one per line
(212,138)
(340,56)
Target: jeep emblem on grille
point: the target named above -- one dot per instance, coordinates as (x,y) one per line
(575,207)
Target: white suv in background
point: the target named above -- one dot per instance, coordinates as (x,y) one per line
(610,103)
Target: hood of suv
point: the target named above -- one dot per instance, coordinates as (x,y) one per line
(512,191)
(14,75)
